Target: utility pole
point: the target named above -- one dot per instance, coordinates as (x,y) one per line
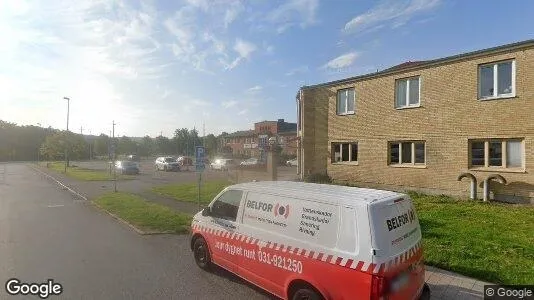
(90,146)
(67,136)
(114,156)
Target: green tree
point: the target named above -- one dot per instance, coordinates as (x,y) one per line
(211,144)
(101,145)
(55,145)
(146,147)
(126,146)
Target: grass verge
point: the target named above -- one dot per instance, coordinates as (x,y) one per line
(189,192)
(489,241)
(144,215)
(85,174)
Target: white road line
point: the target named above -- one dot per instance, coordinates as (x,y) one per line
(61,184)
(56,205)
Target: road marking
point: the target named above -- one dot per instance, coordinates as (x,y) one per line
(60,183)
(56,205)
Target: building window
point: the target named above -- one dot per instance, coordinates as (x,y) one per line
(345,102)
(407,153)
(407,92)
(344,152)
(496,80)
(496,153)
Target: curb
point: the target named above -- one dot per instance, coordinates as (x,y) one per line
(59,183)
(137,230)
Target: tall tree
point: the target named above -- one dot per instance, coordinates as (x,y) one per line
(211,144)
(102,145)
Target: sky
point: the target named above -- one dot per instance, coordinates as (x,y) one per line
(155,66)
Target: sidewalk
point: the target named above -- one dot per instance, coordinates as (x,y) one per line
(446,285)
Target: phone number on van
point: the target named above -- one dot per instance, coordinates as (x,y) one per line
(281,262)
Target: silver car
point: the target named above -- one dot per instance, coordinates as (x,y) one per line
(167,163)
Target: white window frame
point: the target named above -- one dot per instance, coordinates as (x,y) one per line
(408,105)
(400,163)
(496,81)
(504,153)
(347,112)
(350,161)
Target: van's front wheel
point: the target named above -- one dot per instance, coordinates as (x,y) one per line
(306,294)
(202,254)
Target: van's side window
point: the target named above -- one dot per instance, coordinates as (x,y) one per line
(227,205)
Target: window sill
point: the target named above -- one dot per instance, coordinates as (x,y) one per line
(346,114)
(498,170)
(408,166)
(498,98)
(408,107)
(349,163)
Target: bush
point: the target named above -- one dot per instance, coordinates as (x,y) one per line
(318,178)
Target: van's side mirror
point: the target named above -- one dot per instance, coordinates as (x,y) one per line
(206,211)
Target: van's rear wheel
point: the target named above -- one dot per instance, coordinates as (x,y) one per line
(202,254)
(306,293)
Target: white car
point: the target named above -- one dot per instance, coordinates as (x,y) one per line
(292,163)
(167,163)
(250,162)
(222,164)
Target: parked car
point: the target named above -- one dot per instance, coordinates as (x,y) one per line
(222,164)
(167,163)
(292,163)
(250,162)
(370,239)
(133,157)
(127,167)
(185,161)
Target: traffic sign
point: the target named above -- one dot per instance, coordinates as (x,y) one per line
(199,158)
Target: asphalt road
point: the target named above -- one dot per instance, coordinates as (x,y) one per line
(47,233)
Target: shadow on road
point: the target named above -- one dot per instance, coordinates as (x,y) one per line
(216,270)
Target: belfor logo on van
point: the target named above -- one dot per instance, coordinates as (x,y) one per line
(280,210)
(400,220)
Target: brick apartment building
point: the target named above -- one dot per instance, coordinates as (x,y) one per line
(419,125)
(247,142)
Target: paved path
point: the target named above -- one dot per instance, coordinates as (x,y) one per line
(46,233)
(447,285)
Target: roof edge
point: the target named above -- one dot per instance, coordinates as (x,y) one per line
(429,63)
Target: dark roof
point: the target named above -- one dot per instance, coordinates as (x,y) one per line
(429,63)
(241,133)
(405,65)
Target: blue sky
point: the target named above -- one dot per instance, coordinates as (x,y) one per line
(154,66)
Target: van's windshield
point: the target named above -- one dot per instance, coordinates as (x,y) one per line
(395,226)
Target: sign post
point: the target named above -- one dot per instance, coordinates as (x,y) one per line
(199,165)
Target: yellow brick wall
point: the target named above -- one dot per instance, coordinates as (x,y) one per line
(450,114)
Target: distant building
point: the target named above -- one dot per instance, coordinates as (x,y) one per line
(419,125)
(247,143)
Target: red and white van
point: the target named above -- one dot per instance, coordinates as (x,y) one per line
(314,241)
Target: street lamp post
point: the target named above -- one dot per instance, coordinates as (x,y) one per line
(67,136)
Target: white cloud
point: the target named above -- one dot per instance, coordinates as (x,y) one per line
(299,70)
(231,13)
(244,49)
(396,12)
(228,104)
(202,4)
(294,12)
(342,61)
(242,112)
(254,90)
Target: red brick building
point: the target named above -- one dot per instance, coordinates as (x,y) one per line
(247,143)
